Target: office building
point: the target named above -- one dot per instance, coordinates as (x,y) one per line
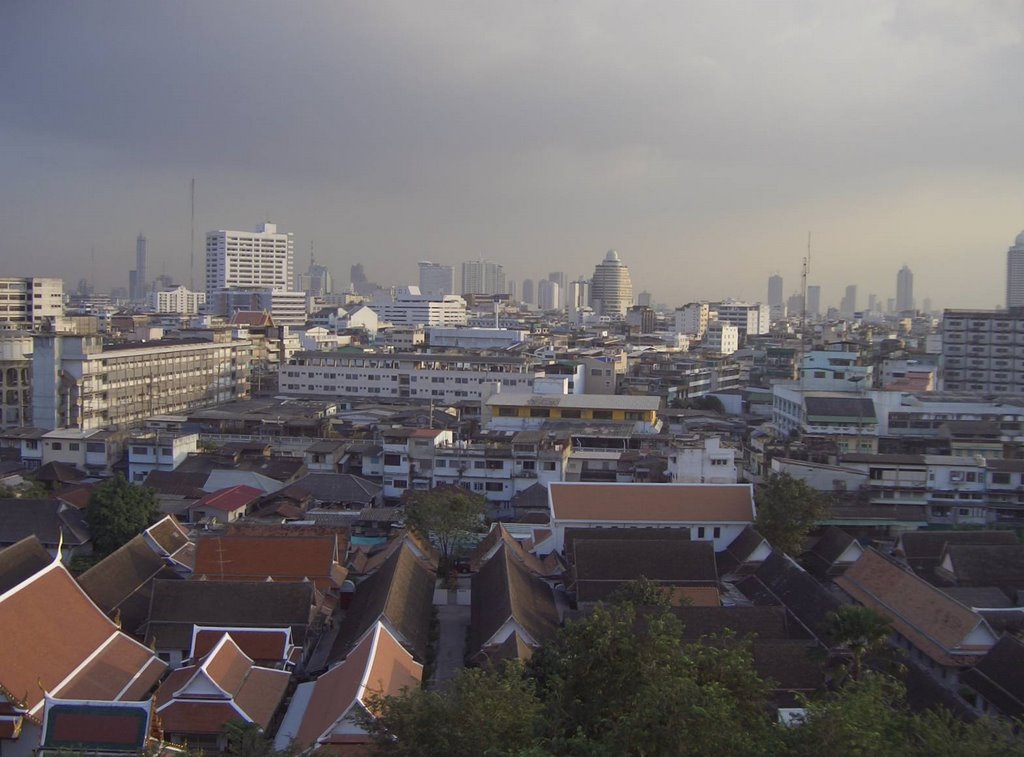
(750,318)
(177,299)
(436,279)
(560,278)
(848,306)
(548,295)
(814,300)
(611,289)
(409,307)
(528,298)
(904,290)
(137,283)
(979,349)
(483,277)
(26,303)
(1015,273)
(774,290)
(264,258)
(79,382)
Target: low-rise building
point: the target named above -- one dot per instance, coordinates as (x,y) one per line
(155,450)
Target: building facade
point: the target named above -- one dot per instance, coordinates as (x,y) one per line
(983,351)
(180,300)
(264,258)
(483,277)
(1015,273)
(28,302)
(611,289)
(904,290)
(436,279)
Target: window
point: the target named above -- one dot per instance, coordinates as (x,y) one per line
(495,486)
(479,464)
(56,446)
(602,415)
(507,412)
(566,413)
(539,412)
(547,466)
(1000,478)
(31,444)
(95,447)
(495,465)
(401,483)
(440,463)
(392,459)
(166,451)
(73,446)
(700,532)
(716,532)
(529,465)
(140,450)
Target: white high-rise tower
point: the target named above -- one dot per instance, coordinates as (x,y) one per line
(264,258)
(611,289)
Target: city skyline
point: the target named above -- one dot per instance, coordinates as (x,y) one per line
(551,150)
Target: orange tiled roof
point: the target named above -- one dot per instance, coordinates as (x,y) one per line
(653,502)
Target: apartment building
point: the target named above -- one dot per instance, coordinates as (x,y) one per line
(520,411)
(983,351)
(750,318)
(179,299)
(158,450)
(78,381)
(15,379)
(27,302)
(427,376)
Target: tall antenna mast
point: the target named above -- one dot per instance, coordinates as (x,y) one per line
(192,242)
(803,307)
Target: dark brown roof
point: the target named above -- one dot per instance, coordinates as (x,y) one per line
(58,472)
(504,590)
(21,561)
(47,519)
(401,594)
(178,605)
(122,582)
(923,549)
(826,550)
(177,483)
(766,622)
(670,562)
(657,534)
(791,664)
(987,564)
(292,557)
(739,550)
(999,676)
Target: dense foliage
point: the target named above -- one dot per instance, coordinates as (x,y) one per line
(445,515)
(787,510)
(118,511)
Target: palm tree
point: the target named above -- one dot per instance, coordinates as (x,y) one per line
(860,632)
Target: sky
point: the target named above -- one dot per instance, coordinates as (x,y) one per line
(702,140)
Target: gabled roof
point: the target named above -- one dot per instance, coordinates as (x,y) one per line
(377,665)
(499,535)
(748,547)
(168,535)
(76,495)
(506,591)
(178,605)
(230,499)
(280,558)
(923,549)
(224,676)
(985,564)
(56,640)
(58,472)
(669,503)
(177,483)
(833,545)
(623,534)
(934,622)
(766,622)
(122,582)
(47,519)
(603,565)
(264,644)
(999,676)
(21,561)
(251,318)
(337,488)
(400,594)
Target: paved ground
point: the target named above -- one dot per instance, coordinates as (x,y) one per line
(453,621)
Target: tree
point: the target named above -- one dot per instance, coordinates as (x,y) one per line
(445,515)
(480,713)
(787,510)
(860,632)
(118,511)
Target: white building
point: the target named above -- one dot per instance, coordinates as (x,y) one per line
(28,302)
(15,378)
(611,289)
(692,319)
(721,338)
(264,258)
(180,300)
(549,295)
(158,450)
(475,338)
(436,279)
(703,461)
(483,277)
(750,318)
(409,307)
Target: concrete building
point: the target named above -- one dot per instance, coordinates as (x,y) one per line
(982,351)
(549,295)
(475,338)
(528,297)
(904,290)
(560,278)
(436,279)
(578,296)
(611,289)
(264,258)
(721,338)
(702,461)
(287,308)
(26,303)
(15,379)
(138,285)
(751,319)
(776,304)
(409,307)
(508,411)
(813,300)
(692,319)
(80,382)
(158,450)
(848,306)
(1015,273)
(483,277)
(179,299)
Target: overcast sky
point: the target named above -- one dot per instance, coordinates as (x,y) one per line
(702,140)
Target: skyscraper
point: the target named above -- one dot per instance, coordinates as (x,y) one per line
(848,306)
(813,300)
(560,278)
(774,290)
(137,278)
(483,277)
(264,258)
(904,289)
(548,295)
(436,279)
(611,289)
(1015,273)
(528,292)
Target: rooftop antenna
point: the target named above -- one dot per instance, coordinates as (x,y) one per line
(803,307)
(192,242)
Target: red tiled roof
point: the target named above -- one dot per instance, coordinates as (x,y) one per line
(257,643)
(230,499)
(719,503)
(254,558)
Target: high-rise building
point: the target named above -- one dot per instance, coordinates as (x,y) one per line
(528,292)
(813,300)
(977,351)
(560,278)
(137,283)
(436,279)
(774,290)
(316,281)
(1015,273)
(848,306)
(578,296)
(872,302)
(645,299)
(264,258)
(751,319)
(26,303)
(904,289)
(176,300)
(483,277)
(548,295)
(611,289)
(512,289)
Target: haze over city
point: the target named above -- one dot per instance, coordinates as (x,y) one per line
(703,141)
